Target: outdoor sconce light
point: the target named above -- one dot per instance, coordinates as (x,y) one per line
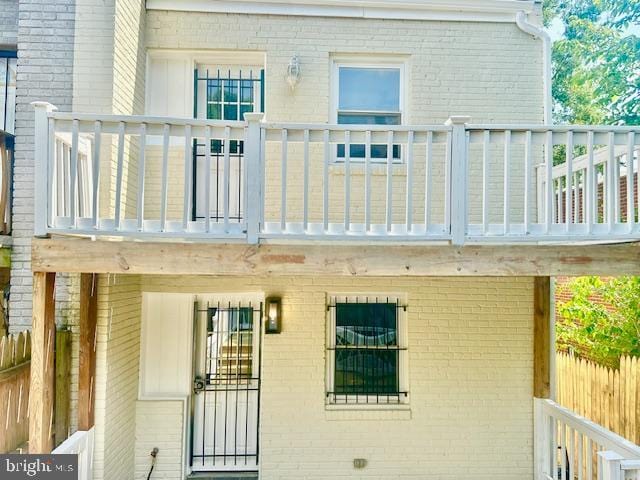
(293,72)
(274,315)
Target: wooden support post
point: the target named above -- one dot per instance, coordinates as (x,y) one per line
(542,337)
(63,385)
(87,363)
(42,366)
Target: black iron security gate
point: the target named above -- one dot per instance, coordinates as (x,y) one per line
(226,400)
(222,96)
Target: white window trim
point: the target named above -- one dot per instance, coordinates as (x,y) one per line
(363,401)
(367,62)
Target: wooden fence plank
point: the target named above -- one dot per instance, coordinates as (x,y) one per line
(609,397)
(15,355)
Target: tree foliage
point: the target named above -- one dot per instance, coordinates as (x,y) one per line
(596,64)
(601,321)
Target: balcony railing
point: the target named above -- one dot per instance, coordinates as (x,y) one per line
(250,181)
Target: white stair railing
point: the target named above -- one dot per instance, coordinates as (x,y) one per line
(80,443)
(571,447)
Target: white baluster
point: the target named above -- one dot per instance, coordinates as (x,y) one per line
(141,174)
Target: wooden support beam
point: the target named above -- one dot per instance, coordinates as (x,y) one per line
(542,337)
(42,364)
(63,386)
(87,363)
(103,256)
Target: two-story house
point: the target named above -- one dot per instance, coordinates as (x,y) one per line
(312,239)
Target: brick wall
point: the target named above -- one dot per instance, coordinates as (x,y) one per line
(8,23)
(490,71)
(470,376)
(116,392)
(45,66)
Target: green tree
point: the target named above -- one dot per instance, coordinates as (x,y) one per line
(596,63)
(601,321)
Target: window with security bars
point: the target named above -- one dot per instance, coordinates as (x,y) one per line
(223,96)
(367,351)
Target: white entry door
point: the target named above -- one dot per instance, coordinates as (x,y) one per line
(226,402)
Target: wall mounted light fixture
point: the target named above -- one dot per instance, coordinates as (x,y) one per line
(274,315)
(293,72)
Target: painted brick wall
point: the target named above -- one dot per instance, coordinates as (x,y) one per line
(470,370)
(8,23)
(45,65)
(490,71)
(117,357)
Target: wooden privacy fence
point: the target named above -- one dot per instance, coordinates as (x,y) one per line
(609,397)
(15,368)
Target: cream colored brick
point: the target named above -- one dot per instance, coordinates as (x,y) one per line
(470,370)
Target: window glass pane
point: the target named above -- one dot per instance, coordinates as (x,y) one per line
(214,91)
(231,91)
(366,324)
(366,349)
(246,91)
(369,89)
(213,111)
(245,109)
(231,111)
(363,119)
(378,151)
(367,372)
(240,319)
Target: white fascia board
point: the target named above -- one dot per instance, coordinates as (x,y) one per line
(454,10)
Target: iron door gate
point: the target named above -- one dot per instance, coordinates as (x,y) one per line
(226,400)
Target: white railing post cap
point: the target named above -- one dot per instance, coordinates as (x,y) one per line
(253,116)
(458,120)
(40,105)
(610,456)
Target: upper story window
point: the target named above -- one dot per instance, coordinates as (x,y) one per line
(8,63)
(369,94)
(366,344)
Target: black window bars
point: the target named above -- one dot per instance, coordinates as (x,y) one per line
(366,351)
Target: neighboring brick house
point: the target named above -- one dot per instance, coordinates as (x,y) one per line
(298,257)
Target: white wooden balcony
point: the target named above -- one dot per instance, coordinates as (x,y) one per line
(459,182)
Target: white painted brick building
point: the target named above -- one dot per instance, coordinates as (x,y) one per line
(394,132)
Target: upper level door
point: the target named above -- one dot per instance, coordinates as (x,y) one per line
(223,93)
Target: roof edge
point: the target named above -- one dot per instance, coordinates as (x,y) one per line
(452,10)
